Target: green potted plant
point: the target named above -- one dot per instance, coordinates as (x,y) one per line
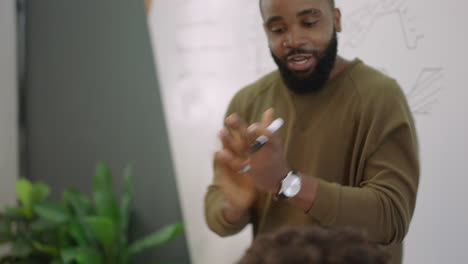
(76,229)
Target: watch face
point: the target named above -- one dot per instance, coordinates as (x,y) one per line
(293,190)
(291,185)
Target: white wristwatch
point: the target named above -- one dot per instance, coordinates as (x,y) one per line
(290,185)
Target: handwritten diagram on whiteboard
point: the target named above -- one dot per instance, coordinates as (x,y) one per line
(361,20)
(365,17)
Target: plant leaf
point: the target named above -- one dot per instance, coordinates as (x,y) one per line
(24,193)
(165,262)
(47,249)
(43,225)
(81,255)
(157,238)
(104,229)
(21,248)
(81,207)
(5,229)
(125,205)
(14,213)
(78,234)
(63,236)
(104,199)
(52,211)
(79,203)
(39,192)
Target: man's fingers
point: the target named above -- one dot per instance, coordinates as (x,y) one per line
(255,131)
(227,158)
(239,139)
(238,130)
(231,143)
(233,121)
(252,133)
(235,124)
(267,117)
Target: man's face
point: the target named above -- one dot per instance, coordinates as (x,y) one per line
(302,40)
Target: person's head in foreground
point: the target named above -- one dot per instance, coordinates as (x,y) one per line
(314,245)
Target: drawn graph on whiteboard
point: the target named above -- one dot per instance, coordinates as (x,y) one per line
(423,94)
(360,22)
(424,89)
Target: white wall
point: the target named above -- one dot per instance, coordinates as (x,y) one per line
(207,50)
(8,103)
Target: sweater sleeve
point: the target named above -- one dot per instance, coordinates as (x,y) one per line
(383,199)
(214,202)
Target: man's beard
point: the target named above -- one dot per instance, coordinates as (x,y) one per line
(300,83)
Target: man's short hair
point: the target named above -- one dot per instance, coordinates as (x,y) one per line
(314,245)
(332,2)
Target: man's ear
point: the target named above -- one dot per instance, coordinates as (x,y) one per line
(337,19)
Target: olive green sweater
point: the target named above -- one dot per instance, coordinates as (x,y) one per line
(357,136)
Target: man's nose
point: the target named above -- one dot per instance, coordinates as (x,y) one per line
(294,39)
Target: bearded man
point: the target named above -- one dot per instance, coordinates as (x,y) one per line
(347,154)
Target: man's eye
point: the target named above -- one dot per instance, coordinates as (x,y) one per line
(277,30)
(310,24)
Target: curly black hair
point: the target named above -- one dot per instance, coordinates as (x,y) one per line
(314,245)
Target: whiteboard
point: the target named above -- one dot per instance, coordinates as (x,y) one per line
(207,50)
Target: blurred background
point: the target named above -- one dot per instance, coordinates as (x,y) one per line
(78,86)
(147,83)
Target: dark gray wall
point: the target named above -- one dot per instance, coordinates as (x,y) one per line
(92,94)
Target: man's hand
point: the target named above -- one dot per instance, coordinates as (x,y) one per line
(268,165)
(238,187)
